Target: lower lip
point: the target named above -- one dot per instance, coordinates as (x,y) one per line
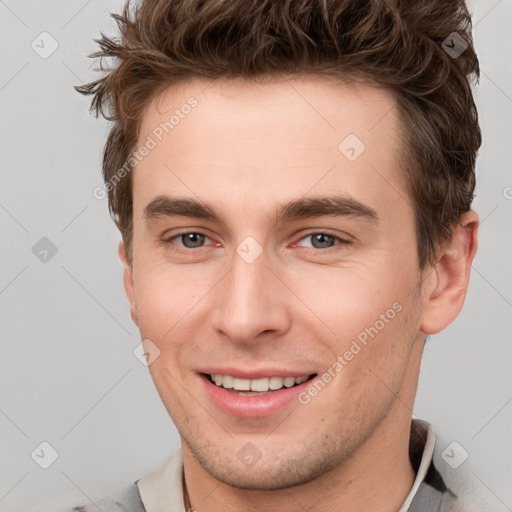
(251,406)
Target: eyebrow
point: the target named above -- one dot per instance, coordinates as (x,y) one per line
(303,208)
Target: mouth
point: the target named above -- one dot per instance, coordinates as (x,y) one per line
(256,387)
(254,398)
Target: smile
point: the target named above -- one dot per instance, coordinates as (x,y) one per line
(257,386)
(253,398)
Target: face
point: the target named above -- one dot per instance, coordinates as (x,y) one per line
(273,238)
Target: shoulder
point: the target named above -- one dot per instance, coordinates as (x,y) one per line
(446,480)
(159,490)
(464,491)
(125,499)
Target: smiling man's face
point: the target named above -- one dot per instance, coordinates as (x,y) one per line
(262,248)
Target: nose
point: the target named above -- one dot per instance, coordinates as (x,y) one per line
(251,300)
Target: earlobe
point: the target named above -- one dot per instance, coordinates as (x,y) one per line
(450,276)
(128,281)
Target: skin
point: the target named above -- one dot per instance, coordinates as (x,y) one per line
(246,149)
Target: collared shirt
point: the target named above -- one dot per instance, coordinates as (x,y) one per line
(432,491)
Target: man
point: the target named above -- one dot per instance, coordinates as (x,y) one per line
(293,184)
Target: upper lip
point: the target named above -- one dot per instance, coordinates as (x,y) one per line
(255,373)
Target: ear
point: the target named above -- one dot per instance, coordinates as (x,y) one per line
(447,284)
(128,281)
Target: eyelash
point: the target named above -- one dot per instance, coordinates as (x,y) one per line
(307,250)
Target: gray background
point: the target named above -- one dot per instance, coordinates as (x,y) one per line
(68,373)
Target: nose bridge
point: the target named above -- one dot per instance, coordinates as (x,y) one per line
(249,302)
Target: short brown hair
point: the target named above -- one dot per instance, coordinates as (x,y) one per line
(398,45)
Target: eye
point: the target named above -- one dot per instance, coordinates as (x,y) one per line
(190,240)
(321,241)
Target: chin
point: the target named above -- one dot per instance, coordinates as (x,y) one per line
(289,470)
(265,478)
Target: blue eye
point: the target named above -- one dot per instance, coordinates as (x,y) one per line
(191,240)
(321,241)
(188,242)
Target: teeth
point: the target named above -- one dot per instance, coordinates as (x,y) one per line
(261,385)
(300,380)
(289,382)
(275,382)
(238,384)
(226,381)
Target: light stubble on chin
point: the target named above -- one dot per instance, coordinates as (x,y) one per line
(298,464)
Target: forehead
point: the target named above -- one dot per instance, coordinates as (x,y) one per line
(275,139)
(325,109)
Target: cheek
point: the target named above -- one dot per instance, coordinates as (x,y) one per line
(156,290)
(168,301)
(348,300)
(364,322)
(372,363)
